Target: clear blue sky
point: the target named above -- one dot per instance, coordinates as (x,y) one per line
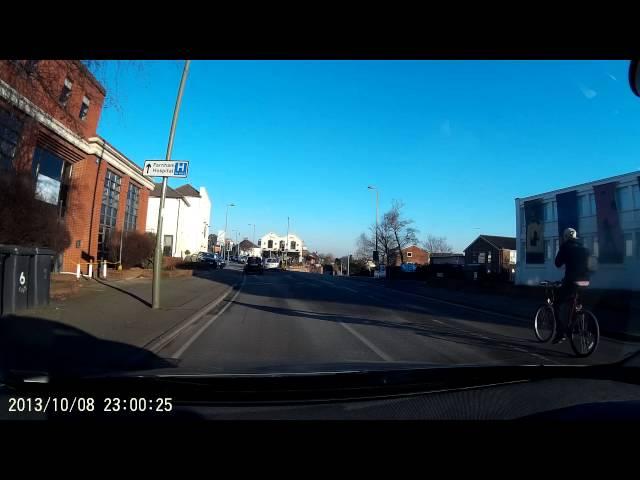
(456,141)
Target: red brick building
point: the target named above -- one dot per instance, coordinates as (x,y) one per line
(49,113)
(412,254)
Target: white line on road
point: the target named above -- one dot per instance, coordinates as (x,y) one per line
(188,343)
(375,349)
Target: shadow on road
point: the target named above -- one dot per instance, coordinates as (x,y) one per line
(47,347)
(439,332)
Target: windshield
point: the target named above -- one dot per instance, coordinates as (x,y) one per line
(459,192)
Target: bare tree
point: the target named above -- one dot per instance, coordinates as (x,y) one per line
(327,258)
(434,244)
(364,246)
(400,228)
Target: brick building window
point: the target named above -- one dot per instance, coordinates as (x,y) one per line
(84,108)
(409,254)
(10,132)
(53,177)
(65,94)
(131,211)
(108,212)
(31,66)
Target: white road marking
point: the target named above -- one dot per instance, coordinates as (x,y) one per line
(188,343)
(364,340)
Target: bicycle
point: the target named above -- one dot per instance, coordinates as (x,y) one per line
(583,329)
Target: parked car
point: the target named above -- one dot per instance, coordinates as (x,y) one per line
(254,265)
(220,261)
(208,259)
(271,264)
(243,259)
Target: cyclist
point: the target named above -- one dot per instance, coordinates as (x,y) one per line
(575,258)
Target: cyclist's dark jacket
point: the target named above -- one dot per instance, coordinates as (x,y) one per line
(575,257)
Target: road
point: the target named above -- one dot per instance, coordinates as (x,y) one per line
(291,318)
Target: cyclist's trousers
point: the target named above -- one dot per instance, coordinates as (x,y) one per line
(565,292)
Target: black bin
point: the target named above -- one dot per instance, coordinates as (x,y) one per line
(15,278)
(40,276)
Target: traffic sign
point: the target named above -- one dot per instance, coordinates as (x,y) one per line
(166,168)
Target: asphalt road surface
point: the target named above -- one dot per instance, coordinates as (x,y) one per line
(290,318)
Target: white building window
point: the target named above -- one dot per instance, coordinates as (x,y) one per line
(628,245)
(592,204)
(547,249)
(636,196)
(556,246)
(554,211)
(547,212)
(293,245)
(596,250)
(583,206)
(623,198)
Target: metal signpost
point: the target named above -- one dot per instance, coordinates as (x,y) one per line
(166,168)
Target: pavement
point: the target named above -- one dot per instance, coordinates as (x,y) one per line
(293,318)
(120,310)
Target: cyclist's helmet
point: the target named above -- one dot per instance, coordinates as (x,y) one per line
(569,234)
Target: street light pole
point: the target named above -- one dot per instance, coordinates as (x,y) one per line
(225,253)
(157,261)
(253,239)
(371,187)
(287,245)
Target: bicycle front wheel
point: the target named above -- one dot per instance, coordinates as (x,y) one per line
(585,333)
(544,323)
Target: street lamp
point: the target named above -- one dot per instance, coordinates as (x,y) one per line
(253,239)
(371,187)
(226,221)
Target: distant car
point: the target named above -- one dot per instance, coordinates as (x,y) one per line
(254,265)
(243,259)
(220,261)
(271,264)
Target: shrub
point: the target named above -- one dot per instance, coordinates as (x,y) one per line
(25,220)
(137,248)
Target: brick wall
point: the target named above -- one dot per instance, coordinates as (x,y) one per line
(44,85)
(418,256)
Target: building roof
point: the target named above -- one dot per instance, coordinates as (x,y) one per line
(444,255)
(247,244)
(508,243)
(581,185)
(170,193)
(188,191)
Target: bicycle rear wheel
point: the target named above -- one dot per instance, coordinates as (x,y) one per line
(584,333)
(544,323)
